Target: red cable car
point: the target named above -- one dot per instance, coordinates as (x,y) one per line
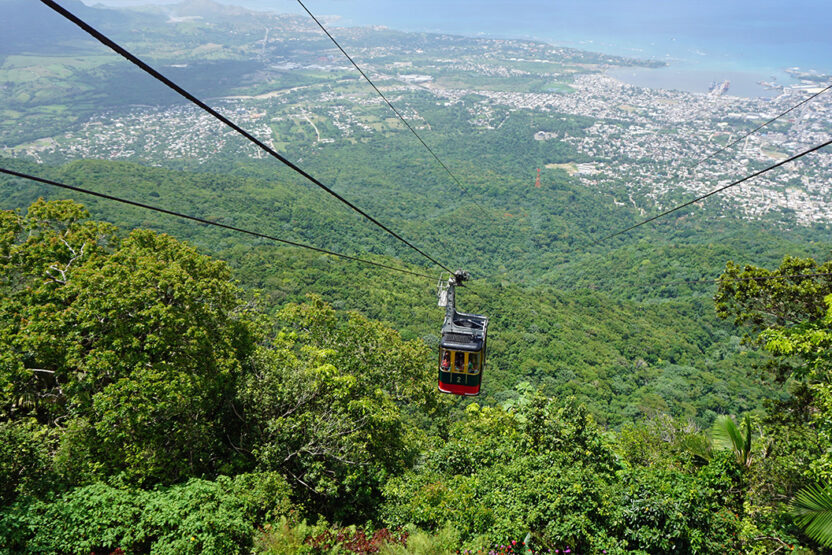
(462,348)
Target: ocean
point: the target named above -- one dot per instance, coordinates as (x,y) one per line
(743,41)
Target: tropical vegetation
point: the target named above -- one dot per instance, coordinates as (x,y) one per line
(151,403)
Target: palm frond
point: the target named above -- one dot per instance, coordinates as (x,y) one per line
(812,509)
(698,446)
(727,435)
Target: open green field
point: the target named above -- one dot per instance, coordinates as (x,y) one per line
(558,87)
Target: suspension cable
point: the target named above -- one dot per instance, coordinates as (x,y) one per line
(395,111)
(103,39)
(715,191)
(208,222)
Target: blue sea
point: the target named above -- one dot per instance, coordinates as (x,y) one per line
(742,41)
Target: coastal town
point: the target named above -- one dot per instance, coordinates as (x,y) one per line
(650,148)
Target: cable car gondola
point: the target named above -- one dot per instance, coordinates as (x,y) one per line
(462,348)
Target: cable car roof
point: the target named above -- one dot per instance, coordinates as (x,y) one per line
(465,332)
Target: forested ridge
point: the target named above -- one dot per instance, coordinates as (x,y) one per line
(616,327)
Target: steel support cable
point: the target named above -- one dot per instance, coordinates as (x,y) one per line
(395,111)
(772,120)
(208,222)
(715,191)
(103,39)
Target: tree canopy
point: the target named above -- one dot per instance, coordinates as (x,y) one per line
(149,397)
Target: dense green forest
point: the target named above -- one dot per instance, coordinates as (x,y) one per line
(627,343)
(150,403)
(171,387)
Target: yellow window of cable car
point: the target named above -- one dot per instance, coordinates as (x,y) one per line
(473,363)
(458,366)
(444,360)
(460,372)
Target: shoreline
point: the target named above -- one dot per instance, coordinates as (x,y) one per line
(699,79)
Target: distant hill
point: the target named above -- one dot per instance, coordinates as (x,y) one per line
(621,356)
(207,9)
(31,27)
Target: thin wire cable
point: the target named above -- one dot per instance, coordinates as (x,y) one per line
(208,222)
(715,191)
(395,111)
(103,39)
(729,145)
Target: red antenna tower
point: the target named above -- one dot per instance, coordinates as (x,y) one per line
(537,181)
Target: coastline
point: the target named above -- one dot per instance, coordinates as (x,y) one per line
(743,83)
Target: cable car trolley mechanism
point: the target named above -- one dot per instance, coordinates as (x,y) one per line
(462,348)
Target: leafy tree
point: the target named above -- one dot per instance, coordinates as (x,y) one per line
(660,510)
(540,469)
(665,441)
(324,404)
(25,462)
(791,319)
(199,516)
(133,346)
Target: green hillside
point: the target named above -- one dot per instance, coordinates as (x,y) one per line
(626,347)
(173,387)
(149,398)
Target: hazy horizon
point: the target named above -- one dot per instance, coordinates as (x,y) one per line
(761,37)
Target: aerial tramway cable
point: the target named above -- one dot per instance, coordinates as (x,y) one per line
(395,111)
(103,39)
(155,74)
(715,191)
(209,222)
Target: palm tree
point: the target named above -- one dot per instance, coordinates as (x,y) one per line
(812,508)
(727,435)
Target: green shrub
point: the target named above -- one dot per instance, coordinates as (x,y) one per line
(24,459)
(661,510)
(87,519)
(420,542)
(287,537)
(541,470)
(199,516)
